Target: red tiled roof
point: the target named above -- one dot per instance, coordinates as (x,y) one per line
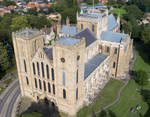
(47,5)
(104,0)
(10,6)
(148,14)
(30,5)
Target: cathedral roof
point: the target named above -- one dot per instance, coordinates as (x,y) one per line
(68,40)
(69,30)
(27,32)
(89,37)
(112,36)
(49,53)
(91,65)
(112,23)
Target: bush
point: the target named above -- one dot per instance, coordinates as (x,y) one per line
(116,5)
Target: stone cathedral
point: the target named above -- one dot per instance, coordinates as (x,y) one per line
(76,67)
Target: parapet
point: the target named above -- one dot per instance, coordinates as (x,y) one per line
(27,33)
(75,42)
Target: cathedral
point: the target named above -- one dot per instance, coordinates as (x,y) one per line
(73,71)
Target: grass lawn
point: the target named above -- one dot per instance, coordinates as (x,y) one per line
(119,11)
(1,89)
(9,80)
(131,97)
(108,95)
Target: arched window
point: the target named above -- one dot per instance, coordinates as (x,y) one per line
(53,89)
(92,27)
(44,85)
(77,94)
(63,75)
(64,93)
(27,80)
(47,70)
(38,70)
(40,84)
(25,66)
(35,82)
(52,71)
(33,65)
(81,26)
(77,76)
(42,66)
(114,64)
(49,88)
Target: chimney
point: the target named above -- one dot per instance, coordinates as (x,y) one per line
(51,28)
(45,26)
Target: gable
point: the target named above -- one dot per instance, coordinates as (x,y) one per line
(112,23)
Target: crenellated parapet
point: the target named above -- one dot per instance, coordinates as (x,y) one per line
(27,33)
(75,46)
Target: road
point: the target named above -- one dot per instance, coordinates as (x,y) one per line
(8,98)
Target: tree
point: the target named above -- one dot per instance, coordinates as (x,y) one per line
(41,10)
(32,11)
(148,101)
(141,78)
(53,6)
(127,27)
(145,15)
(33,114)
(61,6)
(4,62)
(111,2)
(12,11)
(50,10)
(145,36)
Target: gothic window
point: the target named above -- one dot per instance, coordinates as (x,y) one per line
(63,75)
(64,93)
(52,71)
(49,88)
(92,27)
(35,82)
(107,49)
(42,66)
(47,70)
(77,94)
(25,66)
(33,65)
(40,84)
(53,89)
(81,26)
(38,70)
(44,85)
(77,76)
(27,80)
(115,50)
(114,65)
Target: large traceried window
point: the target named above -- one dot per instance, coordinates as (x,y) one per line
(38,70)
(33,65)
(114,64)
(49,87)
(64,93)
(25,68)
(53,89)
(27,80)
(52,71)
(40,84)
(47,70)
(63,75)
(77,94)
(44,85)
(35,83)
(77,76)
(42,66)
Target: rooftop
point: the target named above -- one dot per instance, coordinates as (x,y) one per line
(68,40)
(89,37)
(112,36)
(111,22)
(91,65)
(27,32)
(49,53)
(69,30)
(96,7)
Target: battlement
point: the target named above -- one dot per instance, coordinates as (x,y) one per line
(69,42)
(27,33)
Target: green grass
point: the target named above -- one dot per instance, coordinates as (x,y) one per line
(130,97)
(108,95)
(9,81)
(1,89)
(119,11)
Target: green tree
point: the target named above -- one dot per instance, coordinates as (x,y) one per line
(145,36)
(41,10)
(53,6)
(32,11)
(33,114)
(4,62)
(145,15)
(127,27)
(111,2)
(61,6)
(141,78)
(89,2)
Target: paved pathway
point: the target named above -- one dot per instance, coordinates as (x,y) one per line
(126,79)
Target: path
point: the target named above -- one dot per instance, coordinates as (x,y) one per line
(126,79)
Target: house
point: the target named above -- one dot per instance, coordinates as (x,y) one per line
(30,6)
(2,12)
(148,15)
(54,15)
(35,1)
(22,4)
(2,7)
(104,1)
(11,7)
(37,4)
(48,34)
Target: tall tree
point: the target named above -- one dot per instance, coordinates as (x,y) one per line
(127,27)
(145,36)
